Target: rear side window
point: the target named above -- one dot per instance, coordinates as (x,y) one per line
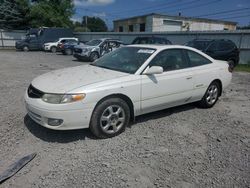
(225,46)
(170,60)
(161,41)
(196,59)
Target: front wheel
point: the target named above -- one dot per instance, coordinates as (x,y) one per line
(94,56)
(26,48)
(53,49)
(110,118)
(211,96)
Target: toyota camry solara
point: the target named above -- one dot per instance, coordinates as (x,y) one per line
(133,80)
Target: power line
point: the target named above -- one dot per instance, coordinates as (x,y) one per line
(242,16)
(165,7)
(223,12)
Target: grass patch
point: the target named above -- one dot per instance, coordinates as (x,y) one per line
(242,68)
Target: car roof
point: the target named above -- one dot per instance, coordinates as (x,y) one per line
(161,47)
(210,40)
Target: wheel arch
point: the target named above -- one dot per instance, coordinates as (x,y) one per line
(53,46)
(123,97)
(220,84)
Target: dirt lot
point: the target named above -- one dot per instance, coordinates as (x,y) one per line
(179,147)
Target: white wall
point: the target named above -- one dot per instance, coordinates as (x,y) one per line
(159,26)
(202,26)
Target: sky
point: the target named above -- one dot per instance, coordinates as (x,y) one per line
(109,10)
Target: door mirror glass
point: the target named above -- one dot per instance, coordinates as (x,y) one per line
(153,70)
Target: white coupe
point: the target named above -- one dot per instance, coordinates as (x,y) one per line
(133,80)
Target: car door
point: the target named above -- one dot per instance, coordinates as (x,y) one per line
(203,73)
(173,87)
(34,43)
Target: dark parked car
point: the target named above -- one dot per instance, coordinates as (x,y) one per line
(218,49)
(36,38)
(151,40)
(68,48)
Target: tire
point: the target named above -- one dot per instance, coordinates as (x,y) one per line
(106,121)
(94,56)
(68,52)
(25,48)
(231,63)
(211,96)
(53,49)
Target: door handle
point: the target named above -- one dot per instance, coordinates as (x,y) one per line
(190,77)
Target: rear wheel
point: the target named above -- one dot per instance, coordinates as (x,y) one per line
(53,49)
(211,96)
(68,52)
(110,118)
(231,63)
(94,56)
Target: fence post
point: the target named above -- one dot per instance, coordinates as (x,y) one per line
(2,37)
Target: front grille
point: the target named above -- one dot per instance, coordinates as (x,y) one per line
(78,50)
(34,93)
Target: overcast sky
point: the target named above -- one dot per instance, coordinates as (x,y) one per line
(109,10)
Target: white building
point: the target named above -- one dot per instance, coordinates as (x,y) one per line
(160,23)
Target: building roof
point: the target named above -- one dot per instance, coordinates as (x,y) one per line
(180,18)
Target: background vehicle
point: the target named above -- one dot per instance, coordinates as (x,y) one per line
(130,81)
(36,38)
(96,48)
(68,48)
(55,46)
(218,49)
(151,40)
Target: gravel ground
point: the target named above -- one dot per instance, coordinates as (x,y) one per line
(179,147)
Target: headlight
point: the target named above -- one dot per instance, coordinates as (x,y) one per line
(62,99)
(86,50)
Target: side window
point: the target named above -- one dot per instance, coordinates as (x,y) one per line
(170,60)
(159,41)
(63,41)
(196,59)
(213,47)
(225,46)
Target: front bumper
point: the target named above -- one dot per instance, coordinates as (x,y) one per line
(72,119)
(46,48)
(82,56)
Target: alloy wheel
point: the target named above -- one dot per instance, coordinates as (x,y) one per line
(212,94)
(112,119)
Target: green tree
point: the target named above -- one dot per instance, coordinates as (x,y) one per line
(94,24)
(51,13)
(13,14)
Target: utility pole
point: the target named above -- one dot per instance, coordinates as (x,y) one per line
(86,23)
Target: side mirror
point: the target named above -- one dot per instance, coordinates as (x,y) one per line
(153,70)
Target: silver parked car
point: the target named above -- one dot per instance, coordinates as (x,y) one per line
(96,48)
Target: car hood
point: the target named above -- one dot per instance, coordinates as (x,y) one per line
(50,43)
(65,80)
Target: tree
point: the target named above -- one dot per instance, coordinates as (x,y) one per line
(51,13)
(94,24)
(244,27)
(22,14)
(13,13)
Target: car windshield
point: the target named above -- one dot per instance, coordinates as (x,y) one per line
(125,59)
(200,45)
(94,42)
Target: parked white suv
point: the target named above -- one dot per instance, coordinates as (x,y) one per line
(53,46)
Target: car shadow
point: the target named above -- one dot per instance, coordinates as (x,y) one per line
(49,135)
(163,113)
(68,136)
